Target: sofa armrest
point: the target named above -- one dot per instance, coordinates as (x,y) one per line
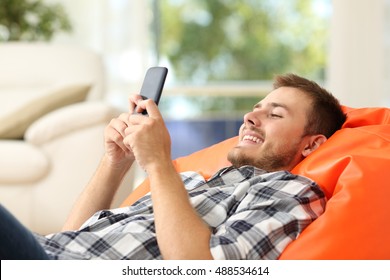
(69,119)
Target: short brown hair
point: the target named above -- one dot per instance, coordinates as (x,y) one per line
(326,115)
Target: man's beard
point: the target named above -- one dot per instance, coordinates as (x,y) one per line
(268,160)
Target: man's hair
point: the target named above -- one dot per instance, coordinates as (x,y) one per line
(326,115)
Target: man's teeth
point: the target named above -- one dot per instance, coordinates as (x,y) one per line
(252,138)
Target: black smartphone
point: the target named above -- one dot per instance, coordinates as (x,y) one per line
(153,84)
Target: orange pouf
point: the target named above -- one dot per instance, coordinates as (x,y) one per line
(352,168)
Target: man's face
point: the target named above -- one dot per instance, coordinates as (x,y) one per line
(271,136)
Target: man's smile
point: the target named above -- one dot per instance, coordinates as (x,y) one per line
(251,138)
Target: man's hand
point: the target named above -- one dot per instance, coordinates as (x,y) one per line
(117,152)
(147,136)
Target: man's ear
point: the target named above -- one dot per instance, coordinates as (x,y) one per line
(313,143)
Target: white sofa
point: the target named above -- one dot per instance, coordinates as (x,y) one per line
(50,140)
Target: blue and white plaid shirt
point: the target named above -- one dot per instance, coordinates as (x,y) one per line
(253,215)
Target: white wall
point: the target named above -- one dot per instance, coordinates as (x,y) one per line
(359,55)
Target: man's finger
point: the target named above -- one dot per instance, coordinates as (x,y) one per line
(152,109)
(134,99)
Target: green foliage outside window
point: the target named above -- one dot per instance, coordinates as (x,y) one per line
(243,39)
(31,20)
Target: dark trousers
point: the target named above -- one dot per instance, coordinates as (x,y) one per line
(16,241)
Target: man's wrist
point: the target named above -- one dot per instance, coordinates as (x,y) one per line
(158,169)
(116,166)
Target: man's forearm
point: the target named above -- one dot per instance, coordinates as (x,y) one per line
(181,233)
(97,195)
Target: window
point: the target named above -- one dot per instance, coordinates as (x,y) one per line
(223,54)
(243,39)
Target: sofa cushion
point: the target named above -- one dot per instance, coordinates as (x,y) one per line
(21,162)
(352,168)
(20,107)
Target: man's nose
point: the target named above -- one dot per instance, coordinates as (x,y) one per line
(251,118)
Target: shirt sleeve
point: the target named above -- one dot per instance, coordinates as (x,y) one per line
(267,221)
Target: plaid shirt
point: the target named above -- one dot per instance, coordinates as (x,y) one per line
(253,215)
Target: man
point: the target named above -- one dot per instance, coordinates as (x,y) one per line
(250,210)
